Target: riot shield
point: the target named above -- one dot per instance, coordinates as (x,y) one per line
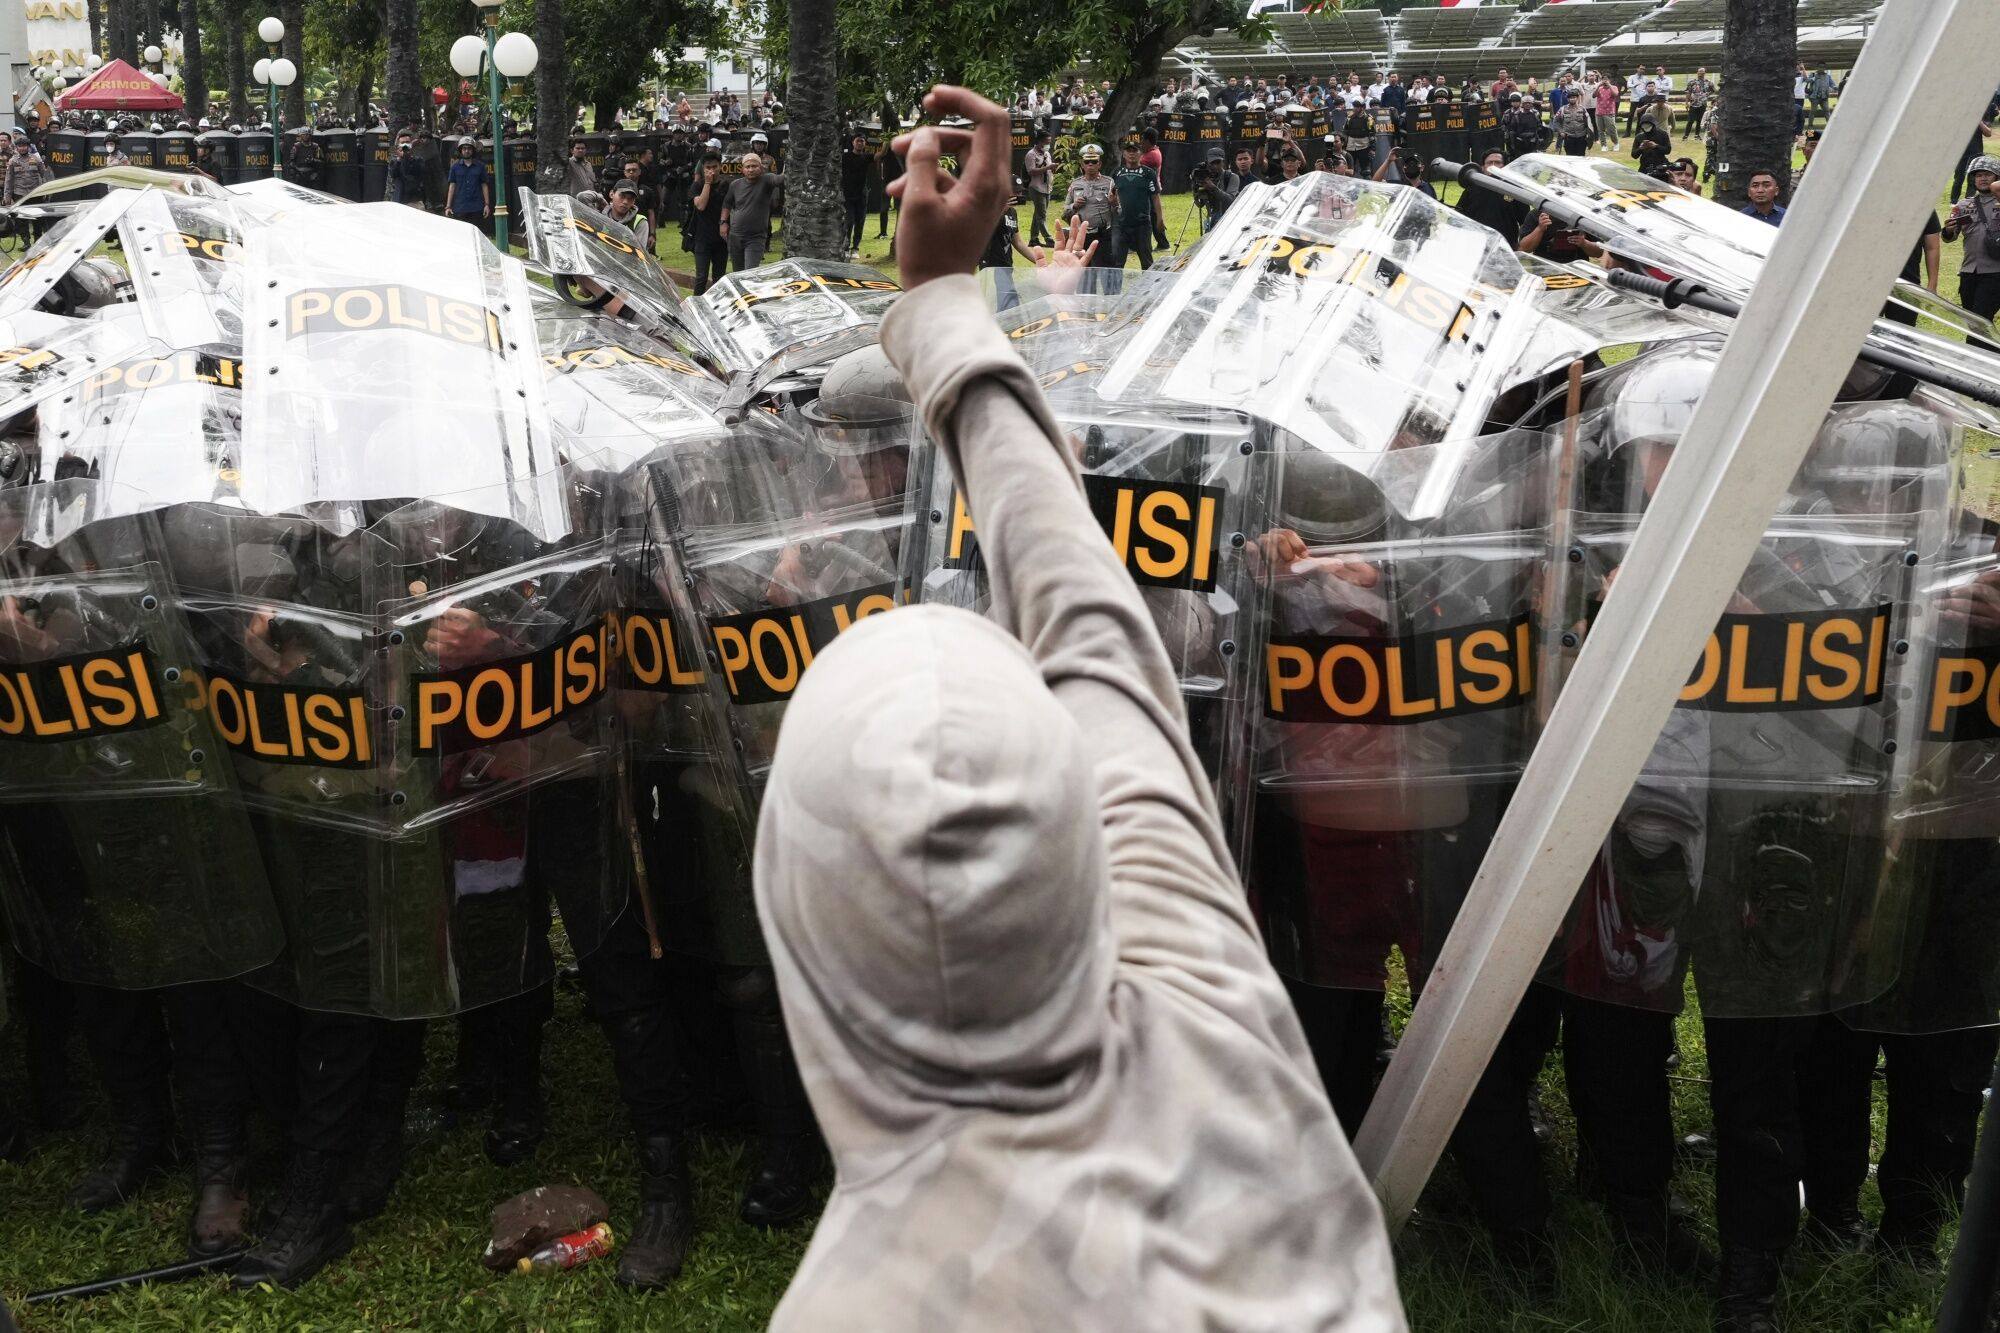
(616,395)
(787,316)
(1688,236)
(1941,827)
(393,355)
(1397,696)
(790,534)
(33,281)
(417,710)
(1177,492)
(128,862)
(187,270)
(1762,814)
(1358,317)
(599,264)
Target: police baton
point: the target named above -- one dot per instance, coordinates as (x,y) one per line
(180,1272)
(1676,292)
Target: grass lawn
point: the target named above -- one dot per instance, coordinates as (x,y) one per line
(417,1266)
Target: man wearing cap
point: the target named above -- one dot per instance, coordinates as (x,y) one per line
(626,207)
(1140,220)
(468,194)
(1216,187)
(1093,202)
(746,212)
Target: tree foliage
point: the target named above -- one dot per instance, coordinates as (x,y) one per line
(899,48)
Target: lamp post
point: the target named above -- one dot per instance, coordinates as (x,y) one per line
(274,72)
(506,55)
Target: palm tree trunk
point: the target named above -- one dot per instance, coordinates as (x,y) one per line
(814,217)
(235,61)
(552,105)
(194,73)
(1760,47)
(94,15)
(293,12)
(405,81)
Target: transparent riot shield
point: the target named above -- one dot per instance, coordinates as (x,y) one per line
(787,316)
(186,261)
(1941,831)
(1691,237)
(416,708)
(1398,696)
(129,862)
(392,354)
(35,280)
(1178,492)
(616,395)
(599,264)
(1358,317)
(789,536)
(1753,848)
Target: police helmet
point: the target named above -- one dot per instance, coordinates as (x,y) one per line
(1874,446)
(1327,502)
(1656,399)
(1985,162)
(863,404)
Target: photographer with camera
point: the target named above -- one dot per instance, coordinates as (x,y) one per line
(1215,186)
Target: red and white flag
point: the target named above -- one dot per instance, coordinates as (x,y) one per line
(1460,4)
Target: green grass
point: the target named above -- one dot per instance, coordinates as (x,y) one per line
(417,1266)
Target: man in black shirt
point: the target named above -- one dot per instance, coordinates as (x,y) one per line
(1503,213)
(704,234)
(1928,255)
(1548,239)
(855,162)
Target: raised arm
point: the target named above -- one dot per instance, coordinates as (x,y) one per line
(1056,583)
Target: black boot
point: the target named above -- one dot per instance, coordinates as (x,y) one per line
(141,1147)
(377,1162)
(1746,1297)
(1836,1231)
(1650,1234)
(660,1243)
(789,1152)
(304,1228)
(520,1120)
(14,1145)
(222,1195)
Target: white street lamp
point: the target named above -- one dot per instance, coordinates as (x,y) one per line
(95,62)
(283,72)
(261,71)
(152,55)
(271,31)
(468,53)
(514,55)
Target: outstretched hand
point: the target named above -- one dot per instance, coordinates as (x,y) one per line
(946,220)
(1061,269)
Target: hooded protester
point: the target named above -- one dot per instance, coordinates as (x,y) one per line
(1062,1085)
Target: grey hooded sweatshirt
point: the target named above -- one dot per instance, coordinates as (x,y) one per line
(1063,1087)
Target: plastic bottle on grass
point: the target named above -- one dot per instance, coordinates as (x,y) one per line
(579,1247)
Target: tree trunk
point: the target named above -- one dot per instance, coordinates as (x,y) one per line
(93,12)
(814,217)
(1760,46)
(606,117)
(118,29)
(364,93)
(236,61)
(552,107)
(293,12)
(405,84)
(1127,102)
(194,73)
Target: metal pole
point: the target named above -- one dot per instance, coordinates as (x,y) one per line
(499,141)
(1968,1282)
(271,101)
(1923,75)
